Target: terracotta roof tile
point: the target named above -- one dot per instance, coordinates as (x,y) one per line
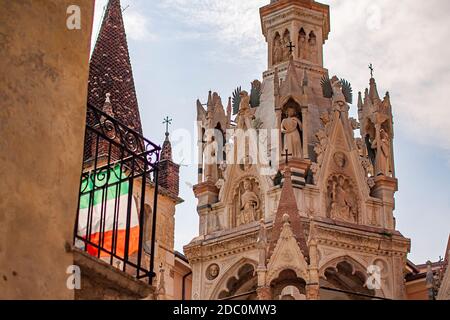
(110,70)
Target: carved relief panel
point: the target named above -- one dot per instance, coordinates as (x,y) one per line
(342,199)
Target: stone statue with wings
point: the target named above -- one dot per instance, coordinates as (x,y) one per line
(255,96)
(340,90)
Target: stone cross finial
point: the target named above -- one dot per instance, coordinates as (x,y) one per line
(290,47)
(287,155)
(371,68)
(167,121)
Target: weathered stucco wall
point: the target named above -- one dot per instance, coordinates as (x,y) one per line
(43,90)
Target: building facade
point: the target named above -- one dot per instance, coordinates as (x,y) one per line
(295,198)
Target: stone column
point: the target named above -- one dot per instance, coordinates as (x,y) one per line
(280,140)
(384,189)
(312,292)
(264,293)
(305,132)
(200,154)
(312,288)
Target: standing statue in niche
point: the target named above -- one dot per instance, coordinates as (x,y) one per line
(302,46)
(286,51)
(249,205)
(313,53)
(220,185)
(291,128)
(383,156)
(277,51)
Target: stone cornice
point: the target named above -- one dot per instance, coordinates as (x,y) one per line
(299,65)
(363,241)
(357,238)
(205,187)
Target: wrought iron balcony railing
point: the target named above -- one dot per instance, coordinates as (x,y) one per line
(113,221)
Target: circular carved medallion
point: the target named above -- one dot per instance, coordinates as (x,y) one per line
(212,272)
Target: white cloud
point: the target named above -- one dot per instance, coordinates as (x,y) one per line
(234,24)
(404,39)
(137,24)
(407,42)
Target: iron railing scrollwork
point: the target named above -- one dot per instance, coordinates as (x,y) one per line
(112,222)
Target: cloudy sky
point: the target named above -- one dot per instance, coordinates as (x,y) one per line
(180,49)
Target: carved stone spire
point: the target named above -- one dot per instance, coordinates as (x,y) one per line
(373,91)
(169,176)
(291,85)
(288,206)
(360,101)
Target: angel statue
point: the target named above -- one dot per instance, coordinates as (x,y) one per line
(255,97)
(340,90)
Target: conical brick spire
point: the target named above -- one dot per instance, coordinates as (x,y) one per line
(110,70)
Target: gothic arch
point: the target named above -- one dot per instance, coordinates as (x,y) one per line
(238,278)
(312,44)
(302,44)
(285,41)
(357,264)
(350,267)
(277,49)
(285,279)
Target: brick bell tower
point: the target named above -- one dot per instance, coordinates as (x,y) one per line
(169,175)
(111,89)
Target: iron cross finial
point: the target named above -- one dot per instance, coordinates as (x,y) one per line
(291,47)
(167,121)
(287,155)
(371,68)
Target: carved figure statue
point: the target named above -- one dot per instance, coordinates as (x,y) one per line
(249,204)
(382,153)
(302,46)
(313,49)
(291,127)
(286,51)
(339,101)
(277,51)
(220,185)
(262,244)
(343,204)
